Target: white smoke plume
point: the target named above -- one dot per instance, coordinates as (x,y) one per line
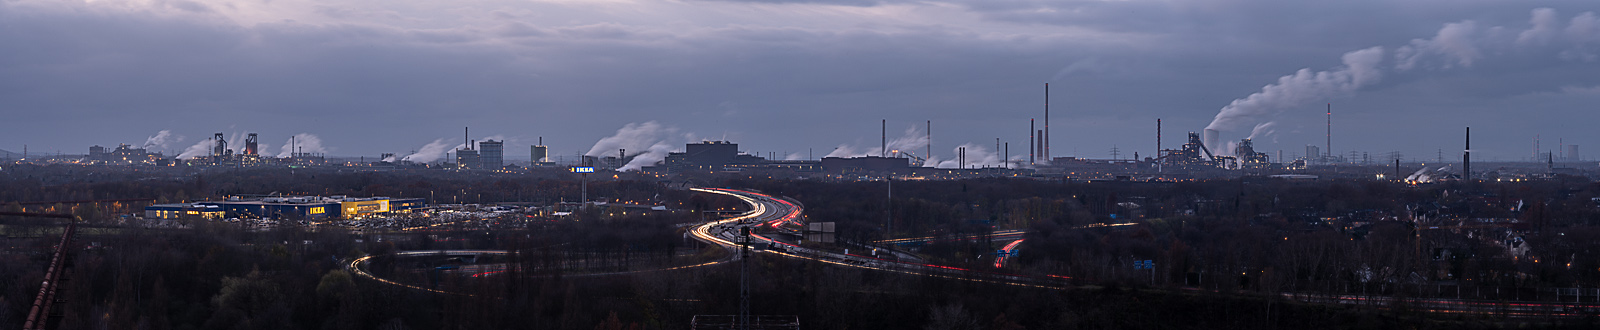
(202,148)
(912,142)
(795,156)
(302,143)
(655,153)
(977,157)
(1459,45)
(1263,130)
(162,140)
(1360,69)
(635,137)
(429,153)
(647,142)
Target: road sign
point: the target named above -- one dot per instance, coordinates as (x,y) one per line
(1144,264)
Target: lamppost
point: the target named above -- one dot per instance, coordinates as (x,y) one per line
(584,172)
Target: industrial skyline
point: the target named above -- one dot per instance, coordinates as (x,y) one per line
(1405,79)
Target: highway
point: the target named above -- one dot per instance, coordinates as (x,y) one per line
(767,211)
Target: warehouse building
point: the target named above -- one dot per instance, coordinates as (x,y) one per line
(288,208)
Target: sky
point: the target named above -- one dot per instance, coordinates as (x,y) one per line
(801,78)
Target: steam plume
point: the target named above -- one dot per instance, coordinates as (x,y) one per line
(304,142)
(633,136)
(1263,130)
(429,153)
(913,140)
(1458,45)
(202,148)
(161,140)
(1360,69)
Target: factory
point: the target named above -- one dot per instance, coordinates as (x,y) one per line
(250,154)
(124,155)
(486,155)
(287,207)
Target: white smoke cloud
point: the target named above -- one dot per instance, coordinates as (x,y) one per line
(429,153)
(202,148)
(635,137)
(162,140)
(795,156)
(302,143)
(912,142)
(1457,45)
(1360,69)
(655,154)
(1263,130)
(977,156)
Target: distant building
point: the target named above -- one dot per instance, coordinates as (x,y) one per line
(491,154)
(468,158)
(286,207)
(123,154)
(540,155)
(710,156)
(183,210)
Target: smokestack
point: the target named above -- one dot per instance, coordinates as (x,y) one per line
(930,141)
(1158,137)
(1031,156)
(1330,131)
(1040,137)
(1466,158)
(1046,134)
(466,135)
(883,148)
(1007,158)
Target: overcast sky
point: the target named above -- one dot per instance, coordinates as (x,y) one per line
(391,76)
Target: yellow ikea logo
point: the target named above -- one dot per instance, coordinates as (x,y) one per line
(317,210)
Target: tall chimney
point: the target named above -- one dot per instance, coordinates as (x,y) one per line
(466,136)
(1031,156)
(1330,131)
(883,148)
(1040,146)
(930,141)
(1046,134)
(1466,158)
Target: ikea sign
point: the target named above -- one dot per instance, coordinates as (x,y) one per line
(583,169)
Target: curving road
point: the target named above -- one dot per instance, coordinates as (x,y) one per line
(767,211)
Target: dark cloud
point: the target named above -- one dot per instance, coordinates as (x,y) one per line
(812,75)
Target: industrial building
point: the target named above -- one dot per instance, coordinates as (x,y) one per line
(184,210)
(287,207)
(124,154)
(710,156)
(491,154)
(540,154)
(468,158)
